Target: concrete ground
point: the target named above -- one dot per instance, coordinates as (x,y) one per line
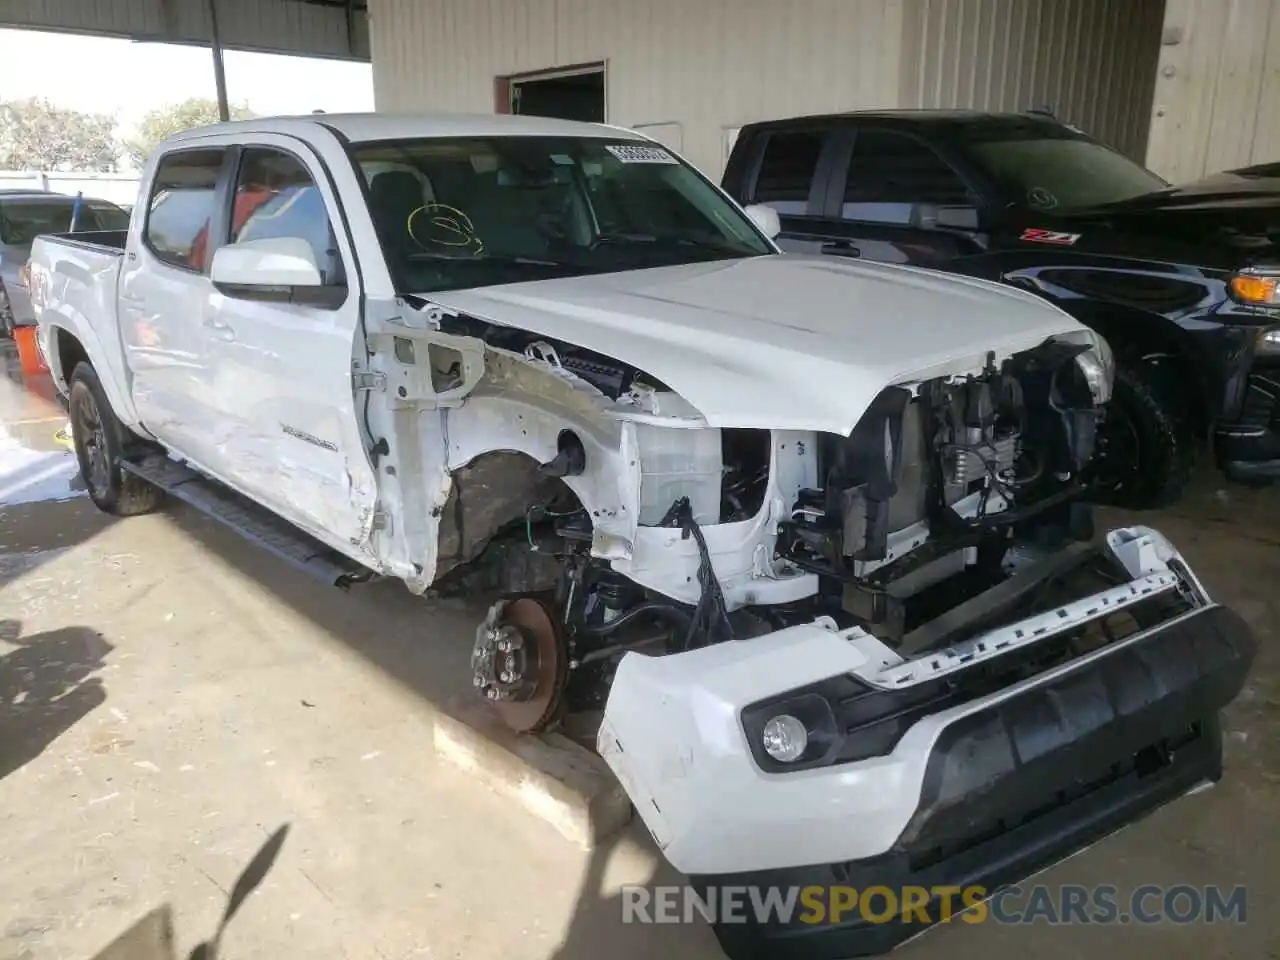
(169,696)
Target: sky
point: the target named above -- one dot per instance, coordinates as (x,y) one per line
(119,77)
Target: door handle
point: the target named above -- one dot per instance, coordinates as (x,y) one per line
(220,328)
(840,248)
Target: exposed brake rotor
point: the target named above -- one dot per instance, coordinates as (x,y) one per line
(519,663)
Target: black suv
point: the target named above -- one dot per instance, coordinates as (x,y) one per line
(1183,282)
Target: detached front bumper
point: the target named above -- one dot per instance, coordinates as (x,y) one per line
(1017,786)
(982,793)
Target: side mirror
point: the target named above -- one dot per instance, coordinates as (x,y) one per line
(275,269)
(269,262)
(766,218)
(932,215)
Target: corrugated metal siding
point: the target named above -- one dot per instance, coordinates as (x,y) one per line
(1217,96)
(1093,62)
(278,26)
(699,69)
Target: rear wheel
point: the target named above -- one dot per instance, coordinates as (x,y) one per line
(100,442)
(1146,447)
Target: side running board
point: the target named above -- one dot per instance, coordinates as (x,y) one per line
(249,519)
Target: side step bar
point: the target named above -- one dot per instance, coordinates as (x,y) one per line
(247,518)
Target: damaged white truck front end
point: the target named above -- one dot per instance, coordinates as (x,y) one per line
(873,643)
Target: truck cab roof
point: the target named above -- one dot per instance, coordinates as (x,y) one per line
(372,127)
(934,119)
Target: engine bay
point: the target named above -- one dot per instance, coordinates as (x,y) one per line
(944,490)
(932,485)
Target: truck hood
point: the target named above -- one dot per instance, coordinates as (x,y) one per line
(1249,187)
(776,342)
(1226,220)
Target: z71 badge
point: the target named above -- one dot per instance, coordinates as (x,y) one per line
(1038,235)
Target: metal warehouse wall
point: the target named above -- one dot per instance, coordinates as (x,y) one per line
(1093,62)
(274,26)
(698,68)
(1217,98)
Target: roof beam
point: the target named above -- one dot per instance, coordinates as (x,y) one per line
(318,28)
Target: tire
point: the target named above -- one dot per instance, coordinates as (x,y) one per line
(101,442)
(1146,447)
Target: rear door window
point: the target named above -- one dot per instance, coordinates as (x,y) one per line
(181,207)
(890,174)
(787,169)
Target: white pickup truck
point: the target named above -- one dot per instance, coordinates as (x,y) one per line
(810,536)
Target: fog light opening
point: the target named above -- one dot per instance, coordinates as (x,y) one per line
(785,738)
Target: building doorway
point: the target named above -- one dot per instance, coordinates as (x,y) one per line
(568,93)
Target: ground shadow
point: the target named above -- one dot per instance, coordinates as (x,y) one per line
(599,926)
(32,534)
(47,685)
(423,644)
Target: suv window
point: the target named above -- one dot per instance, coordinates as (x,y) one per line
(181,205)
(23,218)
(276,197)
(890,173)
(786,170)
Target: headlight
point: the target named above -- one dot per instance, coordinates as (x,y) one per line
(784,738)
(1269,342)
(1097,364)
(1258,289)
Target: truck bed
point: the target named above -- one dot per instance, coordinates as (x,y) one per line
(74,276)
(105,240)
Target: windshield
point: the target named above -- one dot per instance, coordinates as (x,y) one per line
(21,221)
(1048,166)
(457,213)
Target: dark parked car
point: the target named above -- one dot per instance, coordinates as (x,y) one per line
(1182,281)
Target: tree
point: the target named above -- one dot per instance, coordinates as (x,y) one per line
(36,135)
(159,124)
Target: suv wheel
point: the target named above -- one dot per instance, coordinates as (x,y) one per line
(1146,447)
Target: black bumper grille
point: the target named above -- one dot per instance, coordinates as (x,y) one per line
(874,720)
(1030,751)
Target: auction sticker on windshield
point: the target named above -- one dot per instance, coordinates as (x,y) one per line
(639,153)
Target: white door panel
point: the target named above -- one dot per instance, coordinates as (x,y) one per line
(163,292)
(279,374)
